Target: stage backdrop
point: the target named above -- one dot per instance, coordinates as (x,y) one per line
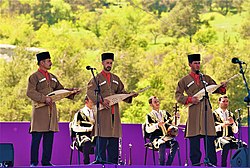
(17,133)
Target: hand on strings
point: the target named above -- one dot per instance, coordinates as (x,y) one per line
(230,120)
(105,103)
(227,122)
(161,123)
(48,101)
(195,100)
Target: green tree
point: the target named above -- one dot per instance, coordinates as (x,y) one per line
(205,36)
(245,28)
(13,81)
(150,49)
(183,20)
(238,4)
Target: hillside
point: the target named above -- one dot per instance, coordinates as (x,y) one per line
(150,43)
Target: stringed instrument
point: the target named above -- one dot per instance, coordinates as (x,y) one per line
(56,96)
(113,99)
(173,129)
(210,89)
(169,133)
(176,109)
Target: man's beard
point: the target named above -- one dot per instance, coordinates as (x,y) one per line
(107,68)
(49,67)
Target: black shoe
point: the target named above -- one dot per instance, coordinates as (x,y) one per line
(33,165)
(47,164)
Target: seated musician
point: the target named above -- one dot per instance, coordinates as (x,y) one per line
(83,124)
(226,126)
(157,123)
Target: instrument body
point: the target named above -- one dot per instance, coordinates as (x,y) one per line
(115,99)
(210,89)
(56,96)
(168,134)
(120,97)
(171,131)
(168,130)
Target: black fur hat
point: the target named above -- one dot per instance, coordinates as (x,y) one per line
(194,57)
(107,56)
(42,56)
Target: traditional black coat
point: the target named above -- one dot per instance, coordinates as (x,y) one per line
(228,131)
(84,121)
(152,123)
(83,125)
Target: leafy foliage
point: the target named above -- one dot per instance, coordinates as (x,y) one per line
(150,39)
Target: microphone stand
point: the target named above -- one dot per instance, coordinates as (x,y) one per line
(247,100)
(186,144)
(98,159)
(239,128)
(206,99)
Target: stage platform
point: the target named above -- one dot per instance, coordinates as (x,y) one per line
(107,166)
(17,134)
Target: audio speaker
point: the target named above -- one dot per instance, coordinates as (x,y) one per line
(239,159)
(6,155)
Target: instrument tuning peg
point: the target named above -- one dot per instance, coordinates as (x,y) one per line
(176,106)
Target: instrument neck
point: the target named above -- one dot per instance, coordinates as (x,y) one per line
(164,130)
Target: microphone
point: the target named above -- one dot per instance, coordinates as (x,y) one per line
(90,68)
(238,110)
(198,72)
(237,61)
(239,117)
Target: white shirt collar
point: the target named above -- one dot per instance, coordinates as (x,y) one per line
(158,114)
(224,114)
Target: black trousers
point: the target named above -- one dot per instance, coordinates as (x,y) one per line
(173,145)
(85,148)
(226,146)
(195,153)
(48,138)
(110,144)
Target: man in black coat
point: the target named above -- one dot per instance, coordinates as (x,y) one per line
(226,126)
